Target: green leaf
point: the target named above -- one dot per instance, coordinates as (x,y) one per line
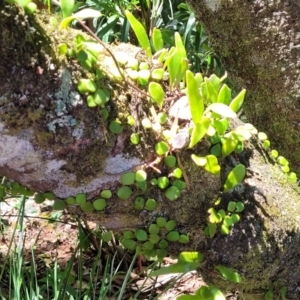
(212,93)
(139,203)
(292,177)
(22,3)
(161,222)
(106,236)
(143,77)
(216,150)
(179,45)
(87,207)
(212,165)
(141,235)
(148,245)
(177,62)
(181,185)
(235,218)
(224,95)
(150,204)
(266,144)
(199,161)
(62,49)
(157,74)
(101,96)
(282,161)
(163,182)
(180,267)
(30,8)
(170,225)
(235,177)
(80,198)
(283,292)
(172,193)
(49,195)
(71,200)
(216,293)
(222,110)
(195,100)
(262,136)
(183,67)
(140,175)
(212,229)
(228,146)
(229,274)
(231,206)
(85,13)
(199,79)
(161,148)
(86,85)
(269,295)
(67,7)
(215,80)
(221,125)
(84,240)
(59,205)
(239,147)
(128,178)
(38,198)
(238,101)
(142,185)
(170,161)
(106,194)
(139,30)
(157,39)
(214,217)
(183,239)
(239,206)
(157,93)
(173,236)
(274,153)
(204,293)
(115,127)
(128,234)
(225,229)
(153,229)
(227,221)
(199,130)
(241,134)
(163,244)
(87,58)
(124,192)
(99,204)
(129,244)
(134,138)
(190,257)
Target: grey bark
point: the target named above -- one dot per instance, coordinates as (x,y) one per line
(263,247)
(258,43)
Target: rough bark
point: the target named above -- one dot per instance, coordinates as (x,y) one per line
(258,43)
(263,247)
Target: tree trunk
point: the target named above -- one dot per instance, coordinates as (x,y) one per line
(51,141)
(258,43)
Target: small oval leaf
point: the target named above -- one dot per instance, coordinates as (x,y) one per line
(229,274)
(235,177)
